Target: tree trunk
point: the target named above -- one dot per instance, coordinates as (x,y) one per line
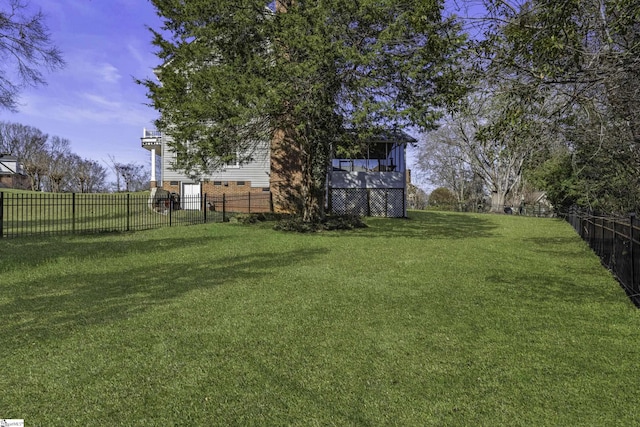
(310,211)
(497,201)
(311,205)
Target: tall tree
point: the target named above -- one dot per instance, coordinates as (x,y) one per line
(59,165)
(26,50)
(299,75)
(29,144)
(444,162)
(87,176)
(584,52)
(129,176)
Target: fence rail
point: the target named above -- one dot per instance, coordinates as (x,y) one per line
(616,240)
(51,213)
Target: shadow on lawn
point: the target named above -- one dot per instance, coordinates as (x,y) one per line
(43,312)
(32,251)
(563,246)
(432,225)
(542,287)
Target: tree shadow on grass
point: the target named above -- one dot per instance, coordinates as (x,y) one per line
(563,246)
(32,251)
(432,225)
(576,248)
(39,313)
(542,287)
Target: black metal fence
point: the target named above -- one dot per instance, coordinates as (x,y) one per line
(616,240)
(534,209)
(48,213)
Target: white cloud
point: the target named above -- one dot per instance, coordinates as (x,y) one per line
(108,73)
(135,53)
(87,108)
(101,101)
(100,113)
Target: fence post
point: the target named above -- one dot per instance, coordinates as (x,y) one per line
(73,212)
(128,209)
(224,207)
(1,214)
(592,230)
(602,242)
(614,243)
(205,207)
(249,202)
(170,211)
(634,284)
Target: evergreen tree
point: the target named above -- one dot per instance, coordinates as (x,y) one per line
(300,74)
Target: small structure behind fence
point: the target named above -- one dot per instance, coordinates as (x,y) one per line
(64,213)
(616,240)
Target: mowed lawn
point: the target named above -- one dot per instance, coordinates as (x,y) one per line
(439,319)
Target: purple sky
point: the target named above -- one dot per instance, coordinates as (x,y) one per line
(94,101)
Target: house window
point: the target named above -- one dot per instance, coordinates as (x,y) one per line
(266,189)
(217,182)
(173,183)
(239,183)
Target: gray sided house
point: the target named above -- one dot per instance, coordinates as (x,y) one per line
(250,179)
(372,182)
(12,174)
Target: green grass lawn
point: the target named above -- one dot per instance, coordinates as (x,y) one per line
(440,319)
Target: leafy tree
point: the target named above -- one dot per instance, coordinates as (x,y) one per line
(59,165)
(416,197)
(557,177)
(583,53)
(29,145)
(299,75)
(443,161)
(26,49)
(50,164)
(490,138)
(88,176)
(443,198)
(129,176)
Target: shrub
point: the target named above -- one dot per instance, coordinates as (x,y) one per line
(330,222)
(442,199)
(259,217)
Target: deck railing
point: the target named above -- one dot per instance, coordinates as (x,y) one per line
(147,133)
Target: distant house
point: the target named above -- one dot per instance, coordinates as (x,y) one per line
(12,173)
(372,182)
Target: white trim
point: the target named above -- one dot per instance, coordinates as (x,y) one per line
(153,164)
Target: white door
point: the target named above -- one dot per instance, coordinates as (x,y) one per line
(190,196)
